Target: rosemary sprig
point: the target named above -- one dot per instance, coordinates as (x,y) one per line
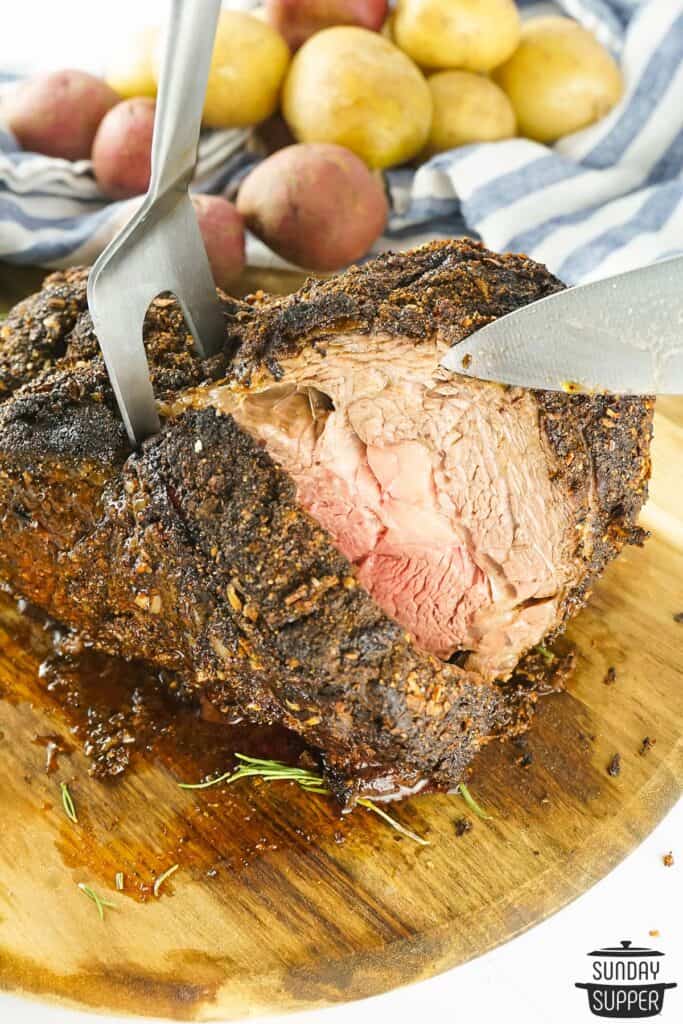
(99,901)
(208,784)
(545,653)
(269,771)
(162,878)
(68,803)
(310,782)
(370,806)
(462,790)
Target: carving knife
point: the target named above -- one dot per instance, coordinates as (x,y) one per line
(623,334)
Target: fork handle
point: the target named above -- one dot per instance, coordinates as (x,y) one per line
(188,46)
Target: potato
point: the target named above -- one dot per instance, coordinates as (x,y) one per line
(317,205)
(122,151)
(222,229)
(57,114)
(467,108)
(475,35)
(353,87)
(560,79)
(131,70)
(296,20)
(247,68)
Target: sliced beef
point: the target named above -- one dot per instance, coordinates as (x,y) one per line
(326,516)
(436,488)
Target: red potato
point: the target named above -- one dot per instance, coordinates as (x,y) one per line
(316,204)
(296,20)
(122,151)
(222,229)
(58,113)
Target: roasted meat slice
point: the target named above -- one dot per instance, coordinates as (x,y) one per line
(330,531)
(438,490)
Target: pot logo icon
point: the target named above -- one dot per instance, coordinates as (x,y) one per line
(626,982)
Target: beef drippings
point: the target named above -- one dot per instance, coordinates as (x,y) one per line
(120,712)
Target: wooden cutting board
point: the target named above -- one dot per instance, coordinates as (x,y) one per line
(279,904)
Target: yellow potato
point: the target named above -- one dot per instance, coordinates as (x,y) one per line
(131,70)
(352,87)
(249,62)
(475,35)
(467,108)
(559,80)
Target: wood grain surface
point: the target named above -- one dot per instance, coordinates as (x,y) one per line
(278,903)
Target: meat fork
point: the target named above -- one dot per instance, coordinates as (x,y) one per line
(161,249)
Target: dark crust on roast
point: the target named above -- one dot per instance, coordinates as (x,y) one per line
(94,534)
(33,338)
(447,289)
(53,330)
(602,449)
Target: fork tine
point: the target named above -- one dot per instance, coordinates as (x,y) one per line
(191,281)
(125,358)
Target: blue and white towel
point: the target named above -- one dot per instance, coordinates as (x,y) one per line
(600,201)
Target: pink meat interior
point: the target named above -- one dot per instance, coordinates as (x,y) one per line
(436,487)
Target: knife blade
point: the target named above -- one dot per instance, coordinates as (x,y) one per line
(623,334)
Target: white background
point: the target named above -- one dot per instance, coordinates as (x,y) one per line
(529,980)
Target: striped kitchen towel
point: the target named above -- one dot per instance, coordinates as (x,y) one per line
(52,213)
(600,201)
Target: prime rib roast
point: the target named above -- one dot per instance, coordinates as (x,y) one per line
(330,532)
